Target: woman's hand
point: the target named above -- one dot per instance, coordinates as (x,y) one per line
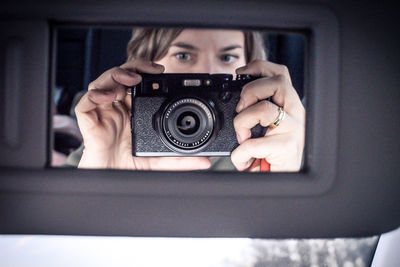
(103,116)
(282,146)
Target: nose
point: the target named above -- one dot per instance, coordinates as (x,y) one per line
(207,64)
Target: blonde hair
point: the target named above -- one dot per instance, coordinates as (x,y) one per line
(152,44)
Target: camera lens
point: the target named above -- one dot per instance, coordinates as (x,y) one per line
(187,124)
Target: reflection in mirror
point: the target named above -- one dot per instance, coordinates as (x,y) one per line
(179,99)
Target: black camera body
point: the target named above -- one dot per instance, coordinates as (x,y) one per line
(185,114)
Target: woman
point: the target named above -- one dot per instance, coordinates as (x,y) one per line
(103,113)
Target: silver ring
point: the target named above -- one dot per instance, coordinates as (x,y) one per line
(278,119)
(129,91)
(117,102)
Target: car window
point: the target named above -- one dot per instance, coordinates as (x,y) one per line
(37,250)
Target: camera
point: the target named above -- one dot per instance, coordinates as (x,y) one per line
(185,114)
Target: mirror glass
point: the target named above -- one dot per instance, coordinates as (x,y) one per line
(215,99)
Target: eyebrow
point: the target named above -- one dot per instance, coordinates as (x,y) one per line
(192,47)
(230,47)
(185,46)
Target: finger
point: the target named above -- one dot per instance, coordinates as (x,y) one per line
(122,110)
(115,77)
(179,163)
(269,148)
(279,87)
(261,89)
(120,93)
(143,66)
(264,68)
(93,99)
(128,101)
(125,75)
(130,68)
(263,113)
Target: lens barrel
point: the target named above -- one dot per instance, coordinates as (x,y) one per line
(187,124)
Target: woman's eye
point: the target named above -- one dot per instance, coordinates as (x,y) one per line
(183,56)
(228,58)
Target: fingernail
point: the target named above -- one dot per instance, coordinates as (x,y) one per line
(159,67)
(155,65)
(240,69)
(239,138)
(248,163)
(240,106)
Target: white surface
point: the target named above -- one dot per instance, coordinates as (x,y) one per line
(122,251)
(388,250)
(61,251)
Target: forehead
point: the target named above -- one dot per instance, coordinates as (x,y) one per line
(211,38)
